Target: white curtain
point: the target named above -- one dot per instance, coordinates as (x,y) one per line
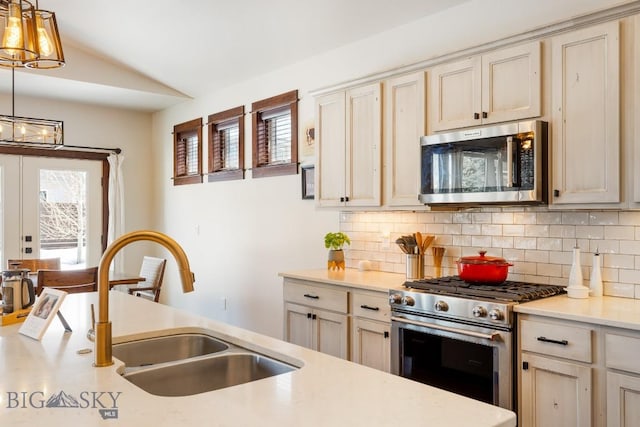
(116,205)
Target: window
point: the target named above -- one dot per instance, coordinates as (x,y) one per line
(275,135)
(226,145)
(187,152)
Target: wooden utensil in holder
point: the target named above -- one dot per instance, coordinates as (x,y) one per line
(438,254)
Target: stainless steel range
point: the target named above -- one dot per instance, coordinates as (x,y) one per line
(460,336)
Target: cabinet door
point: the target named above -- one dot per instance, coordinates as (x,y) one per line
(454,95)
(404,100)
(363,156)
(586,115)
(330,333)
(330,133)
(623,400)
(371,344)
(298,326)
(554,393)
(511,84)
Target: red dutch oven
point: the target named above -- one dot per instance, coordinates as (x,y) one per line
(483,269)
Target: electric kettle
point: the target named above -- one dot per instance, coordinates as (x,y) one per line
(17,290)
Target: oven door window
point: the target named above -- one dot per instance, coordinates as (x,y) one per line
(458,366)
(477,166)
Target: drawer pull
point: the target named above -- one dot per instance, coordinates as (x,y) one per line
(367,307)
(311,296)
(561,342)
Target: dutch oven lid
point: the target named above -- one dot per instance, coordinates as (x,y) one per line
(482,259)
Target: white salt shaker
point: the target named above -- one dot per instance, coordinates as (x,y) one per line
(595,284)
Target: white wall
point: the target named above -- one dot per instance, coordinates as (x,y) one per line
(239,235)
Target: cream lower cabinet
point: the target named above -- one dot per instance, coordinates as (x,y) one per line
(371,330)
(623,378)
(554,393)
(346,322)
(555,373)
(316,317)
(319,330)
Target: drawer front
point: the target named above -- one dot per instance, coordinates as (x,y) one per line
(622,353)
(569,342)
(374,307)
(316,296)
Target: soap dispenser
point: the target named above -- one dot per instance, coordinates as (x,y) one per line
(595,284)
(576,288)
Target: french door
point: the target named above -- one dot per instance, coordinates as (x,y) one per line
(49,208)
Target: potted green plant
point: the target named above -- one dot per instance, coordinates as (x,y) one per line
(334,242)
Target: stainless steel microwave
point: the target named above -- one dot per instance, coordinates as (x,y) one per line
(501,164)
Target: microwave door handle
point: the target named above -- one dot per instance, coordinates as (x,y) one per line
(510,161)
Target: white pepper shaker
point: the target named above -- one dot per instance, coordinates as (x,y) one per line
(595,284)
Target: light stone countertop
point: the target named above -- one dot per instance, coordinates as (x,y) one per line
(368,280)
(325,391)
(607,311)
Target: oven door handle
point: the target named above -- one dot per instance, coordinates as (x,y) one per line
(491,337)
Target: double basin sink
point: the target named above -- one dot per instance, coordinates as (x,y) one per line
(190,363)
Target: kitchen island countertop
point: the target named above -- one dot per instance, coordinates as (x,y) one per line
(325,391)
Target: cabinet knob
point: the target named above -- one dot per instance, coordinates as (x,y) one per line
(476,116)
(484,115)
(556,193)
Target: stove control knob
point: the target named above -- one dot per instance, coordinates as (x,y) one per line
(395,299)
(441,306)
(496,314)
(479,311)
(408,301)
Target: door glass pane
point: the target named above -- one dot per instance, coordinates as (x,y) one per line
(63,219)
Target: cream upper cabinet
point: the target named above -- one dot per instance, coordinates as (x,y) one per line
(498,86)
(331,137)
(586,116)
(404,124)
(348,126)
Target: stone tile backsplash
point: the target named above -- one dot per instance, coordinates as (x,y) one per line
(538,242)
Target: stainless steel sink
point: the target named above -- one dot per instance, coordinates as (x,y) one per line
(206,374)
(152,351)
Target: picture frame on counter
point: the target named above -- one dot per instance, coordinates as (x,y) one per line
(308,181)
(43,312)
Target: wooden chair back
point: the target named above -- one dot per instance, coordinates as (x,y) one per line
(35,264)
(152,269)
(72,281)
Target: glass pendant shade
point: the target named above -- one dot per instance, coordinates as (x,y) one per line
(18,43)
(48,41)
(29,130)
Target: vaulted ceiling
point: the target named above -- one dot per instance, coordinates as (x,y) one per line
(150,54)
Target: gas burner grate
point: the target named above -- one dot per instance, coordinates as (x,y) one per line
(507,291)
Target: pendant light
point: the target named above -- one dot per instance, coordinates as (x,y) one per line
(48,41)
(18,45)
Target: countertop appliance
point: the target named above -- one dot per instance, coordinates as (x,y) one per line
(502,164)
(460,336)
